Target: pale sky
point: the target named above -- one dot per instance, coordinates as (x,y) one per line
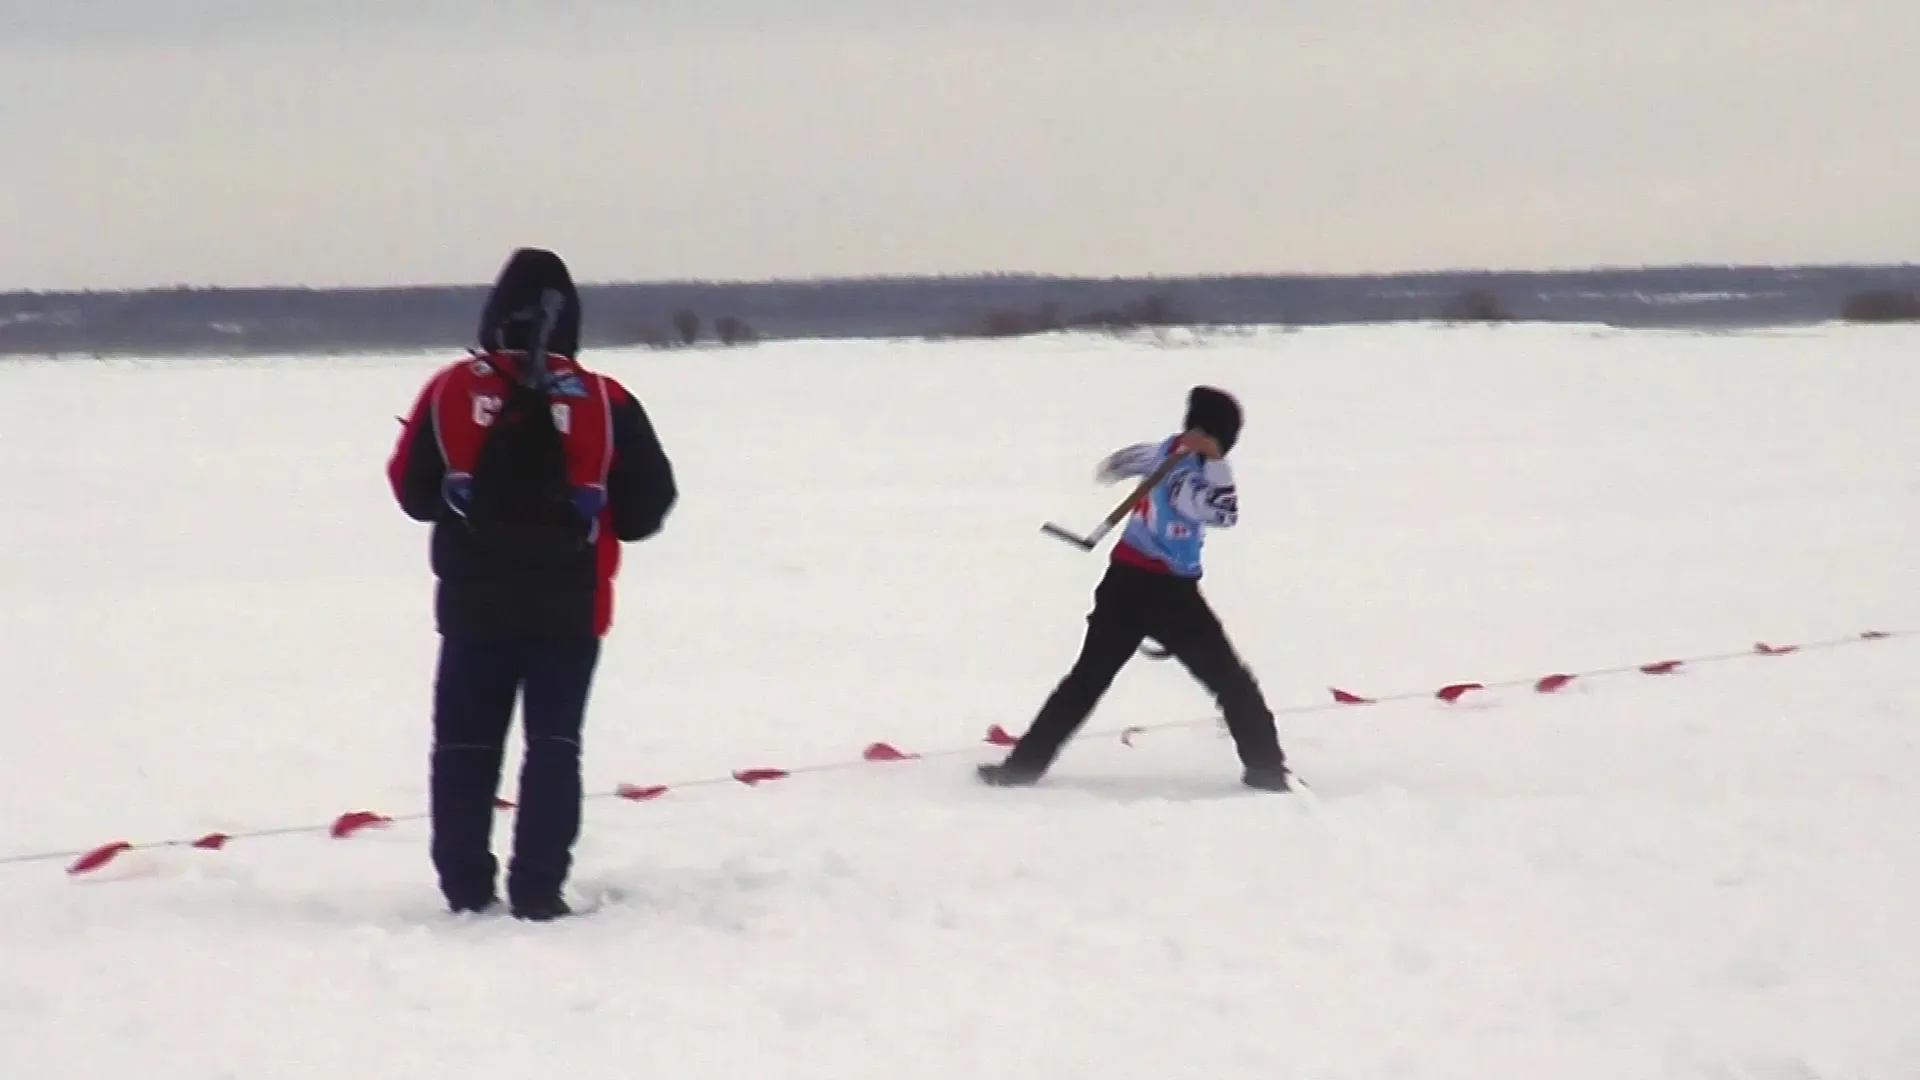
(329,142)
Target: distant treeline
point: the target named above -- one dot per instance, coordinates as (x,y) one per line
(675,314)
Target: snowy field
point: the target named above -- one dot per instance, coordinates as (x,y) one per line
(215,619)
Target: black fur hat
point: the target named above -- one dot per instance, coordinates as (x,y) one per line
(1215,412)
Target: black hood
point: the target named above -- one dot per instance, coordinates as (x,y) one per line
(511,320)
(1216,413)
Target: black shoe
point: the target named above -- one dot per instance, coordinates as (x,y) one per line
(1002,774)
(483,905)
(1268,778)
(542,910)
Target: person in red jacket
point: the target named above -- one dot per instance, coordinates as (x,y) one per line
(532,471)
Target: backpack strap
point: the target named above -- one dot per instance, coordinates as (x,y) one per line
(535,375)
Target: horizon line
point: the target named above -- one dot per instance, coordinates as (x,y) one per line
(1019,275)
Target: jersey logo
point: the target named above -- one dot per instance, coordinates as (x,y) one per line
(487,406)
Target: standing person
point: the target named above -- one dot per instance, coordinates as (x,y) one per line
(1152,589)
(532,471)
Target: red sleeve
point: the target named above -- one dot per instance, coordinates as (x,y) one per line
(414,469)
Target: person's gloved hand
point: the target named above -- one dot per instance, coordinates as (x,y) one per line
(590,499)
(457,490)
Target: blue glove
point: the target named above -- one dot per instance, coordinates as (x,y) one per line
(589,499)
(457,490)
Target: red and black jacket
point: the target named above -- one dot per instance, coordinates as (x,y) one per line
(610,444)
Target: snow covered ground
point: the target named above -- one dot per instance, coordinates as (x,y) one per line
(213,618)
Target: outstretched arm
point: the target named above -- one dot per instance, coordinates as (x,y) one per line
(1127,463)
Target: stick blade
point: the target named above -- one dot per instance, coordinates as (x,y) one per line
(1059,533)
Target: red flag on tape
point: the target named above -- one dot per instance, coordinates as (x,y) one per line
(885,752)
(1551,683)
(755,776)
(1344,698)
(640,793)
(98,857)
(1455,691)
(998,736)
(349,823)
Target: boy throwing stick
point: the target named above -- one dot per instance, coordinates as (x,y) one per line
(1152,590)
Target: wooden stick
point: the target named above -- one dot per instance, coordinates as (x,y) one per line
(1120,512)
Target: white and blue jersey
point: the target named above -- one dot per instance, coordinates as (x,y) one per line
(1167,529)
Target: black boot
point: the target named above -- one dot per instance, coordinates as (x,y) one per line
(545,910)
(483,905)
(1268,778)
(1007,774)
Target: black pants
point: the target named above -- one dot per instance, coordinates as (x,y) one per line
(474,693)
(1131,605)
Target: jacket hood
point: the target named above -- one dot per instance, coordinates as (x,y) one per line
(516,308)
(1215,412)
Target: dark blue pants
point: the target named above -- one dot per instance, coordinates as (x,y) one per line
(474,692)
